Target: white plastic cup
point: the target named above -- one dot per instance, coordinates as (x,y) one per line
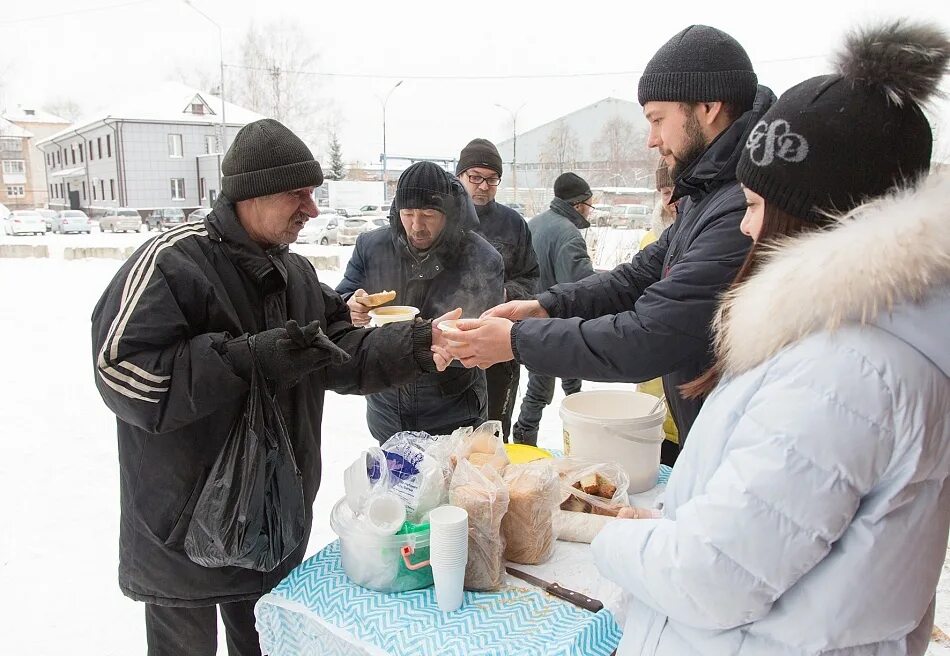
(385,513)
(452,325)
(392,313)
(449,586)
(448,536)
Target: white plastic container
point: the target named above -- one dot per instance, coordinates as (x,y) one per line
(375,561)
(615,426)
(392,314)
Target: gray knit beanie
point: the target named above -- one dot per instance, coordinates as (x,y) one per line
(267,158)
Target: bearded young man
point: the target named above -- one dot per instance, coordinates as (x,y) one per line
(651,317)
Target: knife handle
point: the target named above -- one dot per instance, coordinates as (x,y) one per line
(576,598)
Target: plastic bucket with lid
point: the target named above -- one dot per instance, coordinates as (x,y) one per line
(376,561)
(616,426)
(392,314)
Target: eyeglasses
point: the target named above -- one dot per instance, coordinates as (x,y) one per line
(477,180)
(587,204)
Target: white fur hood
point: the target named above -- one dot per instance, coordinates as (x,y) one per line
(889,252)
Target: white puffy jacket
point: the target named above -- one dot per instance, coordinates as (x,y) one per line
(810,509)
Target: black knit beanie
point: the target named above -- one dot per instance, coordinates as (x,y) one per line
(700,64)
(424,185)
(481,153)
(267,158)
(833,141)
(571,188)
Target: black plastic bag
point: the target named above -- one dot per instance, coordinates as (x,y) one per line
(251,512)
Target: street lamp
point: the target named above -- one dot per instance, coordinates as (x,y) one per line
(224,134)
(383,102)
(514,147)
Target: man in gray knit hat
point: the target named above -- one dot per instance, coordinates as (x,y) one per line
(651,317)
(175,337)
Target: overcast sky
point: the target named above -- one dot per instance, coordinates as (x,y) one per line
(70,49)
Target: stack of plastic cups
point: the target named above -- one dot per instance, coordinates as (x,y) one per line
(448,554)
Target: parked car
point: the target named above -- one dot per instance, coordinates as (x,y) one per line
(72,221)
(355,226)
(24,222)
(120,219)
(630,216)
(348,212)
(199,214)
(373,210)
(48,216)
(518,207)
(321,230)
(600,215)
(165,218)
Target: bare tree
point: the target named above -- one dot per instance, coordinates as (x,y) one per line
(621,148)
(204,76)
(64,108)
(272,78)
(560,152)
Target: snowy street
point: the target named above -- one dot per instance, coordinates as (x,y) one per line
(58,463)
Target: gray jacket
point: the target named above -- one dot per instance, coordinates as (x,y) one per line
(559,244)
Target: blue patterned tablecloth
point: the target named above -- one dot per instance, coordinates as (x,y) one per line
(317,610)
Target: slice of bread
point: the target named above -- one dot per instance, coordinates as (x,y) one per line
(377,299)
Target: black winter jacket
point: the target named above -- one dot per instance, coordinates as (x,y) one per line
(651,317)
(508,232)
(559,244)
(461,270)
(161,365)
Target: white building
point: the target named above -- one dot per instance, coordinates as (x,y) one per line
(24,173)
(159,150)
(605,143)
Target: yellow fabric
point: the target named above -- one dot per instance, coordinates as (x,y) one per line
(647,239)
(655,387)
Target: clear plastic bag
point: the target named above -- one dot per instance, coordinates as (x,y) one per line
(484,446)
(574,471)
(251,512)
(483,494)
(534,493)
(415,476)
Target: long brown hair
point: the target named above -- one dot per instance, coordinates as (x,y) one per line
(776,225)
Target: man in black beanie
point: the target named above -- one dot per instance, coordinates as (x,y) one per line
(176,335)
(651,317)
(479,170)
(431,256)
(563,258)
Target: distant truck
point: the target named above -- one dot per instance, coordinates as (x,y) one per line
(348,194)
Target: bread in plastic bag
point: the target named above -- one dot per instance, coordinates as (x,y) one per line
(534,493)
(484,446)
(606,485)
(483,494)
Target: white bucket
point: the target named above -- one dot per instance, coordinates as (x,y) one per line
(613,426)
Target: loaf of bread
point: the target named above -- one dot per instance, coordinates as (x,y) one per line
(528,526)
(482,493)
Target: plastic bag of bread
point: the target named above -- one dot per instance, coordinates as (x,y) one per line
(482,492)
(534,492)
(484,446)
(592,487)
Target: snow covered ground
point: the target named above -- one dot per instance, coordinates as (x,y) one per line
(58,463)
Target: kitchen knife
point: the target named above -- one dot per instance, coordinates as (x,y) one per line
(553,589)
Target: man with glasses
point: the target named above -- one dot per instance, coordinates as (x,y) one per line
(562,257)
(479,170)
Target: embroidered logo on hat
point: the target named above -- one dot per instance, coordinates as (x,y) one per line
(776,139)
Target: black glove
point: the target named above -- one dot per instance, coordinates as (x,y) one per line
(285,355)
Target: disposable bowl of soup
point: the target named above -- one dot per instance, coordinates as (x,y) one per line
(392,313)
